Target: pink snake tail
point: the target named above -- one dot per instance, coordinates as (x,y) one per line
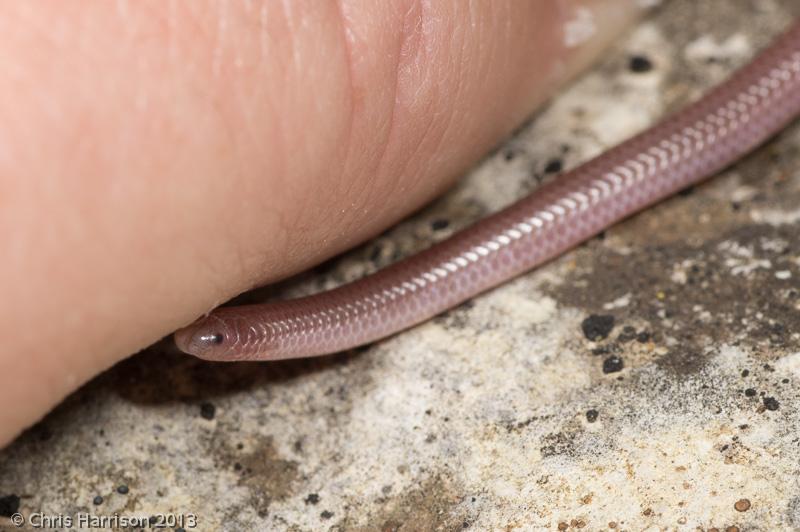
(735,117)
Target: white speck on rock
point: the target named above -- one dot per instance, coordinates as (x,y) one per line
(620,302)
(740,259)
(783,275)
(743,193)
(789,363)
(775,217)
(734,47)
(678,276)
(776,245)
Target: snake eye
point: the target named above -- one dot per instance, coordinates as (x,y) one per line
(213,338)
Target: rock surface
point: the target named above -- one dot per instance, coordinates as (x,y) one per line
(681,413)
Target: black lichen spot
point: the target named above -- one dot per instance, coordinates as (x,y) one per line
(628,334)
(591,415)
(745,372)
(557,444)
(97,501)
(312,498)
(509,155)
(9,505)
(750,392)
(602,350)
(777,334)
(207,411)
(375,254)
(613,364)
(438,225)
(553,166)
(682,361)
(643,337)
(597,326)
(326,514)
(122,489)
(640,63)
(770,403)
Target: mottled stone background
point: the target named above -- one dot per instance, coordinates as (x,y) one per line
(681,414)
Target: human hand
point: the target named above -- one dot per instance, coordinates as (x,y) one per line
(158,158)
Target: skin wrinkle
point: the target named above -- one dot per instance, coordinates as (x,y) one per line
(505,16)
(224,102)
(122,10)
(357,189)
(279,135)
(398,185)
(459,42)
(237,174)
(171,20)
(415,51)
(395,84)
(263,32)
(330,157)
(251,156)
(287,17)
(220,37)
(441,124)
(347,136)
(371,194)
(391,163)
(517,88)
(433,130)
(263,260)
(472,15)
(445,115)
(363,191)
(423,51)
